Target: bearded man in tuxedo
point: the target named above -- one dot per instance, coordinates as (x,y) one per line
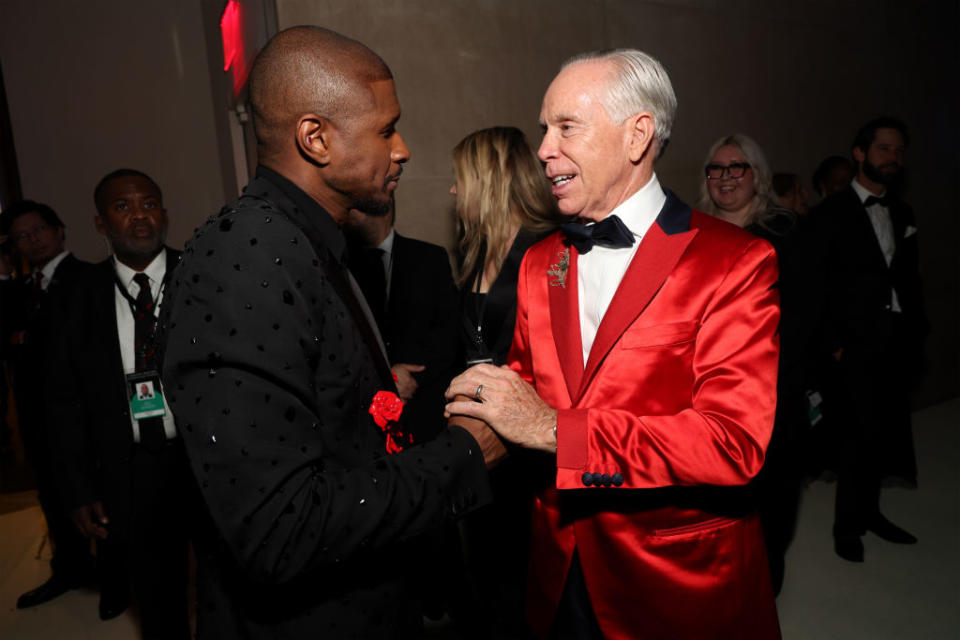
(874,326)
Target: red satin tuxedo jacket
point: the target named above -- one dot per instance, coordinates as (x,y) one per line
(658,432)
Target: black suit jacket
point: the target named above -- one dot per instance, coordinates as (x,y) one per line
(271,365)
(421,327)
(28,334)
(86,400)
(858,281)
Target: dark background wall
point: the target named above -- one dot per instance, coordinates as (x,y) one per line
(101,84)
(94,86)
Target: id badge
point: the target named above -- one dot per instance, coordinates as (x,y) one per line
(146,399)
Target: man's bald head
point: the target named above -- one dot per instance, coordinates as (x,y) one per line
(309,70)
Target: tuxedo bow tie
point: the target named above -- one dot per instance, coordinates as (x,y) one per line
(609,232)
(883,201)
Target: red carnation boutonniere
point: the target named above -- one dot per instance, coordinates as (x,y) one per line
(386,408)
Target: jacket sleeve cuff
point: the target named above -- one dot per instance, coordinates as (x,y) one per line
(572,438)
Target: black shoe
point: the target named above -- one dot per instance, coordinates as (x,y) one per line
(890,532)
(849,548)
(52,588)
(112,604)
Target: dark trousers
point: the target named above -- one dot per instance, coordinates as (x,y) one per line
(778,485)
(72,560)
(875,436)
(575,619)
(157,544)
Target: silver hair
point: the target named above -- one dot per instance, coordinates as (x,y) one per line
(639,83)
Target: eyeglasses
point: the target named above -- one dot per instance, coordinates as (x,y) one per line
(734,170)
(32,233)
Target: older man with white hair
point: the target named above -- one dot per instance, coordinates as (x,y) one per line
(645,361)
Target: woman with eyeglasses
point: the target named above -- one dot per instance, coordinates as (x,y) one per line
(737,188)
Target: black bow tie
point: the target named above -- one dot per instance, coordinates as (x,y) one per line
(609,232)
(883,201)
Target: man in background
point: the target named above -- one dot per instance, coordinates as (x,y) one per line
(409,288)
(874,330)
(123,470)
(791,194)
(30,304)
(832,175)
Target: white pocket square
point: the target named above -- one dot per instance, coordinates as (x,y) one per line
(910,231)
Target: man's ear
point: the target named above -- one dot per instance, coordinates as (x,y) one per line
(859,155)
(314,138)
(641,135)
(98,224)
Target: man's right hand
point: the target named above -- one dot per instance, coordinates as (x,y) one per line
(91,520)
(492,446)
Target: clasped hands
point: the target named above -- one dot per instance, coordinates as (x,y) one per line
(496,404)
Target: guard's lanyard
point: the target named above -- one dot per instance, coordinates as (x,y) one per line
(133,301)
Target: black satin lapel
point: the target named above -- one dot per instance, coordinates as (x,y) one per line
(898,218)
(674,216)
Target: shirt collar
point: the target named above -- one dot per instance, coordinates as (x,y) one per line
(325,227)
(862,192)
(640,210)
(155,270)
(50,267)
(387,245)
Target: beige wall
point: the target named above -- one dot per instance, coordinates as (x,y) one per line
(798,76)
(101,84)
(94,86)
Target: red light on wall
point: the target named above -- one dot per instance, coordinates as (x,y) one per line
(230,33)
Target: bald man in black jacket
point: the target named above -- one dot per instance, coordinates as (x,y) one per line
(272,360)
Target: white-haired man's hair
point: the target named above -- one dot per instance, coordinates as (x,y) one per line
(639,83)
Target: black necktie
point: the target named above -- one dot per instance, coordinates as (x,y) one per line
(367,268)
(152,435)
(144,325)
(36,291)
(883,201)
(609,232)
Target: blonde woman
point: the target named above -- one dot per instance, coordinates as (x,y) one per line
(738,187)
(504,206)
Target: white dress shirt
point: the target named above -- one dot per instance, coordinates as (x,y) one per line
(883,228)
(50,267)
(600,270)
(47,271)
(125,324)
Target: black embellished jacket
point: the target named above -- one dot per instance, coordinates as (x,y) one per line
(270,365)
